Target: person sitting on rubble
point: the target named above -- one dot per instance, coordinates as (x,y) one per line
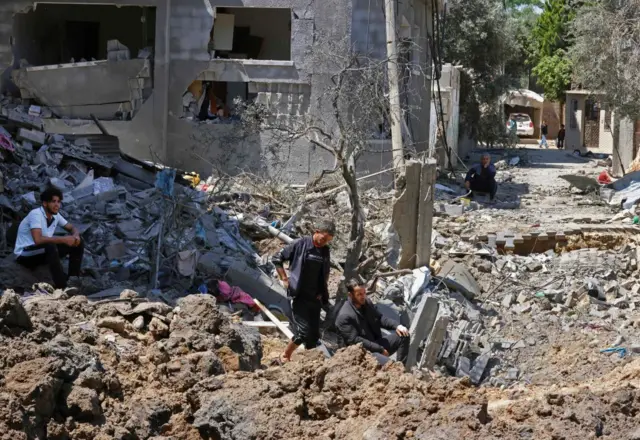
(359,321)
(36,244)
(309,261)
(481,177)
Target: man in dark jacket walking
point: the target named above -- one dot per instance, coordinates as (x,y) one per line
(359,321)
(309,264)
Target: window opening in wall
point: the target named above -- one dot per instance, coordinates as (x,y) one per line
(215,101)
(99,59)
(60,33)
(251,33)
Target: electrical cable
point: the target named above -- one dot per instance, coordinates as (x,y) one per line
(437,42)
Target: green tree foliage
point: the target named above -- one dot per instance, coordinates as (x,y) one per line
(550,39)
(481,36)
(554,75)
(605,55)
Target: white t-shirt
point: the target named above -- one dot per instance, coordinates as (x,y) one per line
(37,219)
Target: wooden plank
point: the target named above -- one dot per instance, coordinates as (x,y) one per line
(283,328)
(518,238)
(263,324)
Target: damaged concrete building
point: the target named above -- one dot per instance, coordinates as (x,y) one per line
(138,66)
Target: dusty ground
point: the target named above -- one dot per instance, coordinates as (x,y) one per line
(128,369)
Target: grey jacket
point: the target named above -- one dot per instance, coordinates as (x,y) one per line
(295,254)
(363,325)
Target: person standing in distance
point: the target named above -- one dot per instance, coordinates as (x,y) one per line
(309,261)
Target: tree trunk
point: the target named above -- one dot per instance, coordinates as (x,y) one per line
(356,236)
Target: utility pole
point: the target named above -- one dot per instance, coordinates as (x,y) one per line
(394,91)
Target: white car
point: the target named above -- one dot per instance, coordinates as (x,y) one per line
(524,124)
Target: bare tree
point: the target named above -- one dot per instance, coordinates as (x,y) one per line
(352,110)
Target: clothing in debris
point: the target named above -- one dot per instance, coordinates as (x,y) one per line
(364,325)
(483,179)
(234,294)
(309,268)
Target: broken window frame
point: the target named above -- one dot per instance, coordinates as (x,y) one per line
(211,44)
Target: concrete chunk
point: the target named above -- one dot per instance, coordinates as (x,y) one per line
(434,343)
(33,136)
(421,326)
(457,277)
(25,119)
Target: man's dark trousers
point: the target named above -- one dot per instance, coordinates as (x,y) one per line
(306,321)
(394,343)
(52,256)
(484,186)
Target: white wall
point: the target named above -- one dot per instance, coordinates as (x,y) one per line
(574,138)
(606,136)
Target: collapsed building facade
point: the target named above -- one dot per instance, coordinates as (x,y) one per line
(140,66)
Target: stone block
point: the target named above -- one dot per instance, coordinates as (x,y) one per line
(25,119)
(33,136)
(116,250)
(457,277)
(508,300)
(434,343)
(421,326)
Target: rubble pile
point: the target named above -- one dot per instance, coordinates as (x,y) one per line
(118,369)
(133,369)
(139,223)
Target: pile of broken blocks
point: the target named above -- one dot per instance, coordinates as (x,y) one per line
(137,231)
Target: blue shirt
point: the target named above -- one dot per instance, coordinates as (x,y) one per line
(477,172)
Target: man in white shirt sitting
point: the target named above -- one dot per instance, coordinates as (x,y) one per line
(36,244)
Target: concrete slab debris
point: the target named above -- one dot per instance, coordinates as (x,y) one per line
(421,325)
(32,136)
(457,277)
(583,183)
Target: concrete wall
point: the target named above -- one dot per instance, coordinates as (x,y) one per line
(606,132)
(625,151)
(70,90)
(450,91)
(182,30)
(369,28)
(574,139)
